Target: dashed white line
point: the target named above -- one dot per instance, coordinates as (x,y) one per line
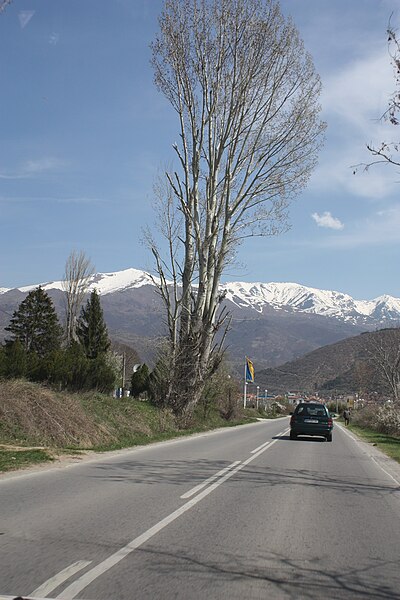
(199,487)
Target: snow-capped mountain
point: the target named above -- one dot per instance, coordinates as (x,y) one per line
(290,297)
(104,283)
(271,322)
(298,298)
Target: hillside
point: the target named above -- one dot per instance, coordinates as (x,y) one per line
(341,367)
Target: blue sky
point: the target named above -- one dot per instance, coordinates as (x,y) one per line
(84,132)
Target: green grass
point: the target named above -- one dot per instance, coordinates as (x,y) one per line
(37,423)
(151,416)
(11,460)
(389,444)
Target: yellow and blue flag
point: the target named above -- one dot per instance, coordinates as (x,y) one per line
(249,371)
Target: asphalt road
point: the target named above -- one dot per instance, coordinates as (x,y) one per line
(239,513)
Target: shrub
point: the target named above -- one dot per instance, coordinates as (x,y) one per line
(388,419)
(384,419)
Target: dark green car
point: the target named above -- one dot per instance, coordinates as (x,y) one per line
(311,418)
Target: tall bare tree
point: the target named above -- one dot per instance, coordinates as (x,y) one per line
(78,271)
(246,97)
(383,351)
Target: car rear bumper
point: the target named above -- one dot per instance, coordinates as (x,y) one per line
(308,430)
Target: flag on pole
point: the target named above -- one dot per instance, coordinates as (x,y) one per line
(249,371)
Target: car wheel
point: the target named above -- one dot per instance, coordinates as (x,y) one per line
(293,436)
(329,437)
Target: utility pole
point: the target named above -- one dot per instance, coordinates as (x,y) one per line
(123,371)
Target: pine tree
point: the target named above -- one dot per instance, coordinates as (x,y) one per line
(35,324)
(91,329)
(140,381)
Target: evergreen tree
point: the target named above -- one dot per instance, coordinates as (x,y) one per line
(140,381)
(15,363)
(35,324)
(91,329)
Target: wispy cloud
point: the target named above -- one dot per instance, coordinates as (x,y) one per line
(31,168)
(327,220)
(380,229)
(359,92)
(24,16)
(54,39)
(353,100)
(51,199)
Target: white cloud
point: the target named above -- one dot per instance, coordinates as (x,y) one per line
(380,229)
(327,220)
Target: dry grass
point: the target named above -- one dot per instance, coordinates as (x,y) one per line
(33,415)
(38,424)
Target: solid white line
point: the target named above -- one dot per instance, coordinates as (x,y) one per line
(358,440)
(199,487)
(264,445)
(384,470)
(28,598)
(268,443)
(53,583)
(77,586)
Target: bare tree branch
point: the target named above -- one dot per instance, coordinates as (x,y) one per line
(246,95)
(78,271)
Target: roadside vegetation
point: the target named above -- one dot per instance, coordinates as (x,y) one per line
(39,424)
(380,426)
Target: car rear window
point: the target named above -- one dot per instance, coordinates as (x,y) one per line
(311,411)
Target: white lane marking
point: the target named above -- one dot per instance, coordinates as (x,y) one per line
(53,583)
(77,586)
(28,598)
(370,455)
(199,487)
(384,470)
(264,445)
(268,443)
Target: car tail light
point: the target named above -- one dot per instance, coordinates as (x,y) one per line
(330,423)
(292,420)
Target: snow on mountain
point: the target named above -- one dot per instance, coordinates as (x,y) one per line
(386,307)
(299,298)
(105,283)
(280,296)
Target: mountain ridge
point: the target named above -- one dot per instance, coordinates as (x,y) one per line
(272,323)
(257,296)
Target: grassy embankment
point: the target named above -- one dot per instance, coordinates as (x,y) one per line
(388,444)
(40,425)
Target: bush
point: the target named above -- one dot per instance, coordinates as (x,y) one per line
(383,419)
(388,419)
